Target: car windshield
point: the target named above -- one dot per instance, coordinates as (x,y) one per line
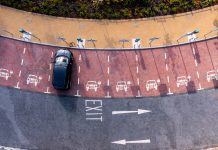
(61,59)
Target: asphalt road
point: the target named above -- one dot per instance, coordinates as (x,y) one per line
(46,122)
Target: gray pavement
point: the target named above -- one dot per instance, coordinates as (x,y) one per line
(48,122)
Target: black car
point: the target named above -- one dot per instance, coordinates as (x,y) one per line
(62,69)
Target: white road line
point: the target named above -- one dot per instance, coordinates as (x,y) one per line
(139,94)
(136,57)
(168,79)
(169,92)
(24,50)
(193,50)
(108,70)
(166,67)
(165,56)
(198,74)
(50,66)
(108,82)
(80,57)
(49,78)
(52,54)
(21,62)
(17,86)
(200,88)
(47,90)
(19,73)
(138,81)
(79,69)
(108,95)
(137,69)
(196,63)
(78,81)
(108,58)
(77,93)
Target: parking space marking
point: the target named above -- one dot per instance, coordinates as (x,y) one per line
(198,74)
(77,93)
(138,81)
(19,73)
(196,63)
(17,86)
(139,94)
(169,92)
(166,67)
(200,88)
(47,90)
(168,79)
(50,66)
(136,57)
(21,62)
(52,54)
(79,69)
(80,57)
(108,70)
(165,55)
(24,50)
(137,69)
(108,58)
(49,78)
(78,81)
(108,82)
(108,95)
(193,50)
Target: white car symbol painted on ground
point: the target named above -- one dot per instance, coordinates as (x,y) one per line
(122,85)
(92,85)
(4,73)
(33,79)
(212,75)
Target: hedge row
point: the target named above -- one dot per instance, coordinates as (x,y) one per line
(108,9)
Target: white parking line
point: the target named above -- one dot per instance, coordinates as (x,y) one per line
(196,63)
(79,69)
(166,67)
(198,74)
(19,73)
(77,93)
(108,95)
(165,56)
(17,86)
(139,94)
(108,58)
(50,66)
(80,57)
(193,50)
(138,81)
(47,90)
(200,88)
(52,54)
(137,69)
(49,78)
(169,92)
(24,50)
(168,79)
(136,57)
(108,70)
(21,62)
(108,82)
(78,81)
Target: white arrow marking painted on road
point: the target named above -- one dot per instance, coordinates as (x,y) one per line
(139,111)
(124,142)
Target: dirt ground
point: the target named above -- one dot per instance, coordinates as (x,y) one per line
(108,32)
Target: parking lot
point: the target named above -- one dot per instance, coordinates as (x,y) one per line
(106,73)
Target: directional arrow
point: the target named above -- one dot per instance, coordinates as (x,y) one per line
(139,111)
(124,142)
